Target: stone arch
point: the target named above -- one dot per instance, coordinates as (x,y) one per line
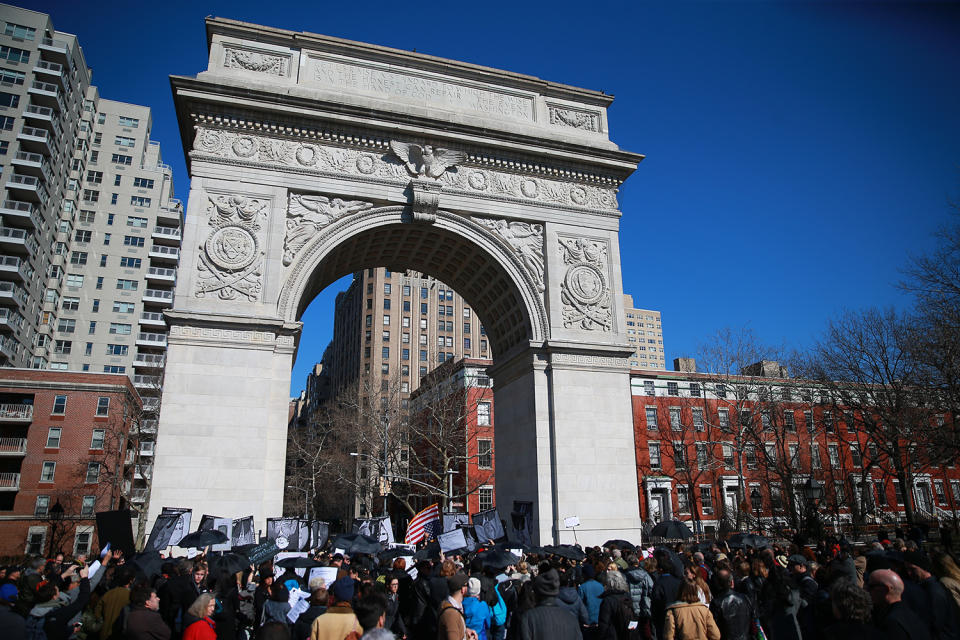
(455,249)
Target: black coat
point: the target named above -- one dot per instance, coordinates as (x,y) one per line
(178,593)
(547,621)
(616,612)
(734,615)
(666,590)
(899,622)
(301,629)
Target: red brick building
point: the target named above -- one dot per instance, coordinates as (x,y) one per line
(464,393)
(740,449)
(66,452)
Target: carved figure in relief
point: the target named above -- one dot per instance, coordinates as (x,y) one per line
(584,291)
(308,214)
(252,61)
(231,259)
(427,160)
(526,240)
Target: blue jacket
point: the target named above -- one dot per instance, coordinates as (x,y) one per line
(590,592)
(478,615)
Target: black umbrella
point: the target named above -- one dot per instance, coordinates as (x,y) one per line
(299,562)
(671,529)
(354,543)
(568,551)
(201,539)
(749,540)
(230,562)
(397,552)
(149,562)
(432,550)
(497,559)
(620,544)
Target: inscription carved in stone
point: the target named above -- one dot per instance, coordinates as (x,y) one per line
(308,214)
(231,258)
(526,240)
(586,120)
(584,291)
(233,147)
(255,61)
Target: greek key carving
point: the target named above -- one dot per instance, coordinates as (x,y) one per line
(588,361)
(309,156)
(526,240)
(584,291)
(275,65)
(308,214)
(586,120)
(231,258)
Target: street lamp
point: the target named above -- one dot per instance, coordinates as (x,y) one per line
(755,499)
(55,516)
(813,492)
(306,500)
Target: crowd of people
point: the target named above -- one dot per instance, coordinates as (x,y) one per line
(884,590)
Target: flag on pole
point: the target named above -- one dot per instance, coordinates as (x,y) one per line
(421,524)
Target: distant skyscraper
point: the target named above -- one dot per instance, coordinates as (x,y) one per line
(645,336)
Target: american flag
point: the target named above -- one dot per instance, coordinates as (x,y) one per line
(423,524)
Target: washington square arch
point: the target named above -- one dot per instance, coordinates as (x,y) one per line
(313,157)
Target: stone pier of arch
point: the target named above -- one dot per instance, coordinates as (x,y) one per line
(312,157)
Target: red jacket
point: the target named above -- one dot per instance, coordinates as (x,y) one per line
(204,629)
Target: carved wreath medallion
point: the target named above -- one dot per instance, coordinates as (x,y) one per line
(231,258)
(584,291)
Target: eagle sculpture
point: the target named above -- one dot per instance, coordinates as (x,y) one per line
(427,160)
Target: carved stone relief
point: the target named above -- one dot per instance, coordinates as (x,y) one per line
(231,259)
(259,62)
(526,240)
(377,164)
(584,291)
(575,118)
(306,215)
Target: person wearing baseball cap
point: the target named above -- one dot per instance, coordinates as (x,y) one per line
(11,622)
(451,623)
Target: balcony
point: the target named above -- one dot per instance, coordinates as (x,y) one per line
(46,94)
(16,413)
(149,360)
(158,296)
(148,426)
(14,240)
(147,339)
(27,186)
(168,235)
(9,481)
(34,139)
(152,319)
(10,320)
(162,275)
(33,163)
(9,347)
(146,382)
(143,472)
(14,268)
(14,447)
(170,215)
(20,212)
(59,47)
(50,68)
(159,252)
(139,495)
(151,405)
(12,294)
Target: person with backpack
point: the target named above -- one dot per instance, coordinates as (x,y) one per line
(641,588)
(478,614)
(615,620)
(50,618)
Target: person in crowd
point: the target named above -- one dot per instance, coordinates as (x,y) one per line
(546,620)
(641,588)
(590,591)
(569,599)
(890,614)
(451,622)
(692,572)
(278,606)
(616,608)
(228,616)
(618,559)
(476,612)
(201,613)
(733,612)
(180,592)
(51,614)
(261,594)
(143,621)
(947,571)
(937,605)
(112,603)
(13,624)
(666,587)
(371,612)
(852,612)
(689,618)
(318,606)
(394,621)
(338,620)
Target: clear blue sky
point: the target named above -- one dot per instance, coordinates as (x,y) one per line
(797,153)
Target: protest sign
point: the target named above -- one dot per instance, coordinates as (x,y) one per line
(451,540)
(487,526)
(453,520)
(327,574)
(285,532)
(262,552)
(182,526)
(115,527)
(243,532)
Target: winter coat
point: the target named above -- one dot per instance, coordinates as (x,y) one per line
(335,624)
(690,621)
(274,611)
(641,588)
(203,629)
(301,628)
(13,625)
(666,590)
(109,608)
(733,614)
(616,613)
(478,615)
(547,620)
(590,592)
(145,624)
(451,624)
(570,600)
(57,615)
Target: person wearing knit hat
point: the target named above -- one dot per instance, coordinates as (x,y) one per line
(339,620)
(477,613)
(548,619)
(13,624)
(590,591)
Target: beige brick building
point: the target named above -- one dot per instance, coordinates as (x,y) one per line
(645,334)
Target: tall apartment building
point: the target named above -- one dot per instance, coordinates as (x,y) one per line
(390,326)
(90,240)
(646,335)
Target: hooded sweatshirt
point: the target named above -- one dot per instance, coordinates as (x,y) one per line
(56,614)
(569,599)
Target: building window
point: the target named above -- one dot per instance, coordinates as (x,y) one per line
(702,455)
(855,455)
(694,390)
(485,495)
(59,405)
(66,325)
(81,543)
(82,235)
(124,141)
(649,388)
(683,500)
(386,304)
(675,418)
(385,353)
(127,285)
(654,452)
(118,158)
(727,455)
(723,418)
(78,257)
(130,263)
(651,413)
(132,241)
(113,368)
(833,452)
(788,421)
(88,506)
(97,439)
(898,492)
(751,455)
(679,455)
(815,456)
(36,537)
(483,414)
(19,31)
(485,453)
(53,438)
(386,320)
(117,350)
(42,507)
(698,419)
(120,328)
(706,500)
(48,471)
(137,222)
(93,473)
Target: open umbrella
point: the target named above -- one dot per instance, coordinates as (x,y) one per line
(354,543)
(568,551)
(748,540)
(149,562)
(299,562)
(432,550)
(230,563)
(201,539)
(620,544)
(397,552)
(671,529)
(497,559)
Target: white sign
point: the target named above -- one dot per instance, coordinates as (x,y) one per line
(571,522)
(327,574)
